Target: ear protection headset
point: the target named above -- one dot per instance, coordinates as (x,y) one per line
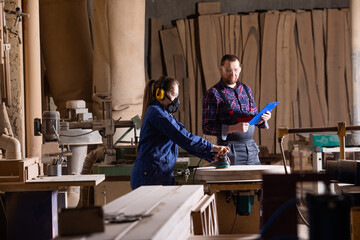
(160,92)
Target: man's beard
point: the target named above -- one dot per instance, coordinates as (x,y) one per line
(229,81)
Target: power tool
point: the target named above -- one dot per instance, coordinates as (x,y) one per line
(223,162)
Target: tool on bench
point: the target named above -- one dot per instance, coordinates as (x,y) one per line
(223,161)
(122,218)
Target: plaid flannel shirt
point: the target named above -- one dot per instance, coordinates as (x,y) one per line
(215,111)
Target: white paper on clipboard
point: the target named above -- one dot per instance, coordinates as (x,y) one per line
(268,107)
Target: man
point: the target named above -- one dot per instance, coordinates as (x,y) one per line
(227,108)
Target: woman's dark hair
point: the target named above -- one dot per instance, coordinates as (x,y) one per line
(150,90)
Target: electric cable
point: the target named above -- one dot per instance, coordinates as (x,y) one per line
(232,228)
(197,165)
(277,213)
(284,162)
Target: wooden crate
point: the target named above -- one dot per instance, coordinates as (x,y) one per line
(19,170)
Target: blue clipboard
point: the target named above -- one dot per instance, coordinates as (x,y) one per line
(268,107)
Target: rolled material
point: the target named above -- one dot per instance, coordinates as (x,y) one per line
(67,50)
(119,50)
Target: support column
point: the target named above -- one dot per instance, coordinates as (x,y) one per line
(355,55)
(32,76)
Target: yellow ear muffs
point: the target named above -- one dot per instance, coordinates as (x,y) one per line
(160,94)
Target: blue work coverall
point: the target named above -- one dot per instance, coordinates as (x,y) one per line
(160,136)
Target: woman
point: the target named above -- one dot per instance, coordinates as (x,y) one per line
(161,134)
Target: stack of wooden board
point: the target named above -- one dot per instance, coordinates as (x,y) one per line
(170,207)
(300,58)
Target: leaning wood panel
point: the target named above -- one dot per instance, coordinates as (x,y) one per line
(251,57)
(238,38)
(180,24)
(268,76)
(232,33)
(306,46)
(283,71)
(335,65)
(155,63)
(318,31)
(348,63)
(171,46)
(251,54)
(190,85)
(208,46)
(218,24)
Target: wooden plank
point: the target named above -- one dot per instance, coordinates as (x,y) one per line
(171,210)
(335,66)
(45,182)
(348,62)
(190,41)
(208,50)
(180,25)
(187,107)
(141,201)
(208,8)
(250,73)
(155,63)
(171,46)
(236,173)
(227,34)
(218,24)
(268,76)
(283,71)
(232,33)
(307,56)
(318,31)
(251,56)
(180,73)
(238,36)
(294,79)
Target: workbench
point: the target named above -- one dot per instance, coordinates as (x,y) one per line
(32,208)
(244,180)
(170,207)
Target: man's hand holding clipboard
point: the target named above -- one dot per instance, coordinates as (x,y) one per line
(258,118)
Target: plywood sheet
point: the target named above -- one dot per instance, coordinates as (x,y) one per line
(348,62)
(307,56)
(208,7)
(190,43)
(319,51)
(251,55)
(155,64)
(171,46)
(335,66)
(268,76)
(283,73)
(208,49)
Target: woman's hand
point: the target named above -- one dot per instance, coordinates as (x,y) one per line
(220,150)
(265,117)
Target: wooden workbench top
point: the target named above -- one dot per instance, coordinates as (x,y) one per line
(238,172)
(45,182)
